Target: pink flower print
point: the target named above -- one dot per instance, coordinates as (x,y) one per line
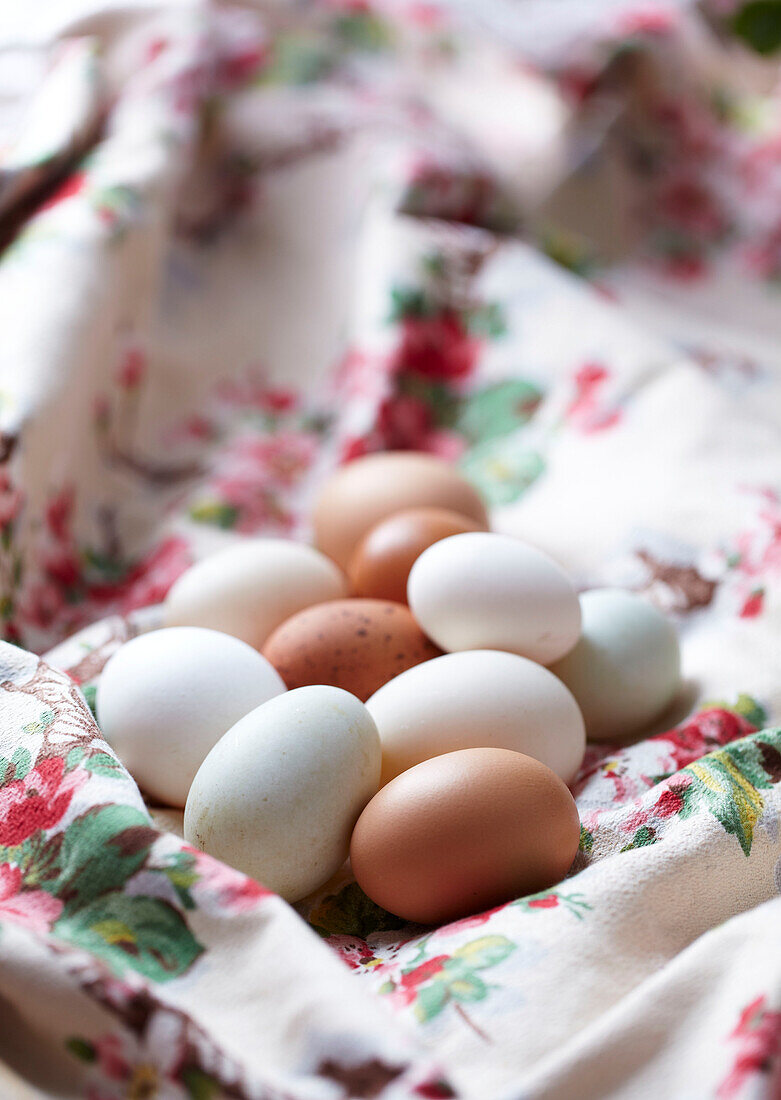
(235,892)
(586,411)
(758,1034)
(239,66)
(651,19)
(38,801)
(35,909)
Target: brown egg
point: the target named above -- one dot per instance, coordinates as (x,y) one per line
(368,489)
(357,645)
(383,558)
(463,832)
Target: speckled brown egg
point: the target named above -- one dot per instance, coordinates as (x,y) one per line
(463,832)
(383,558)
(358,645)
(366,490)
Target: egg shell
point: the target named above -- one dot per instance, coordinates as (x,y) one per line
(626,668)
(489,591)
(380,564)
(166,697)
(357,645)
(464,832)
(250,588)
(279,794)
(368,489)
(478,699)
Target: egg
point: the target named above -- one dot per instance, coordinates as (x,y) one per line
(486,591)
(357,645)
(166,697)
(381,562)
(626,668)
(278,796)
(464,832)
(368,489)
(249,588)
(477,699)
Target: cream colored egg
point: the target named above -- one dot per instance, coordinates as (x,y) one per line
(477,699)
(279,795)
(486,591)
(250,588)
(166,697)
(625,670)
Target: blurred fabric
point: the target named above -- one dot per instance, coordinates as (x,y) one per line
(246,242)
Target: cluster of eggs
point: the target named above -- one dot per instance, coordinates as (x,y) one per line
(413,690)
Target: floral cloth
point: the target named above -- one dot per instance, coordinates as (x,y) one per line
(247,242)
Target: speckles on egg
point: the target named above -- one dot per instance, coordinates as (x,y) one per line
(356,644)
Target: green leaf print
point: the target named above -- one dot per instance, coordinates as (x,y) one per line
(103,764)
(46,718)
(133,933)
(22,761)
(351,913)
(759,25)
(213,511)
(430,1001)
(502,469)
(100,850)
(487,951)
(497,410)
(728,783)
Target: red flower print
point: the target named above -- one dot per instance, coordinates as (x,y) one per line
(690,206)
(405,993)
(34,909)
(685,267)
(585,411)
(670,803)
(149,580)
(10,501)
(549,902)
(758,1034)
(403,422)
(132,369)
(72,186)
(240,66)
(469,922)
(437,347)
(753,604)
(58,514)
(38,801)
(708,730)
(277,400)
(62,567)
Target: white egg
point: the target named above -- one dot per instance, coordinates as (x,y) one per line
(250,588)
(166,697)
(477,699)
(626,668)
(279,795)
(488,591)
